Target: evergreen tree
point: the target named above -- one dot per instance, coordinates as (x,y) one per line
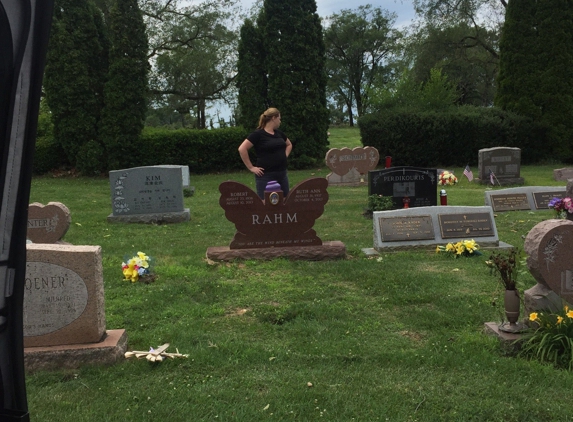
(536,57)
(519,72)
(74,76)
(125,90)
(555,90)
(251,76)
(295,61)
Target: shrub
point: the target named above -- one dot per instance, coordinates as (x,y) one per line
(452,137)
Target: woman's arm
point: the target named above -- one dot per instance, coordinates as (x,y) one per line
(244,153)
(288,147)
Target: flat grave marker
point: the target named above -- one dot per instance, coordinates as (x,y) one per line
(533,198)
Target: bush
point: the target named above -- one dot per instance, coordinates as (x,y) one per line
(204,151)
(49,155)
(452,137)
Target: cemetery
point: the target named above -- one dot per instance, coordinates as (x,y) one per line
(285,283)
(297,335)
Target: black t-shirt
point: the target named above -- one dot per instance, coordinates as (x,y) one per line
(270,149)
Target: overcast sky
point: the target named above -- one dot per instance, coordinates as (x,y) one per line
(403,8)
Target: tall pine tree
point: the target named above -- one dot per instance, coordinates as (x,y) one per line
(251,75)
(536,58)
(294,60)
(75,75)
(126,88)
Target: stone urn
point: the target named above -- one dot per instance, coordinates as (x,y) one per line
(512,302)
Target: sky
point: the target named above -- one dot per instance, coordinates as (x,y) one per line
(403,8)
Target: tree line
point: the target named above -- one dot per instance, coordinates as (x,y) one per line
(115,65)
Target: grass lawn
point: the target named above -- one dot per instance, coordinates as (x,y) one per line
(393,338)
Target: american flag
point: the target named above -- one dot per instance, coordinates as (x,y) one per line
(468,173)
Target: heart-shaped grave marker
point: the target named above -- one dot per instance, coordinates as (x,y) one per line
(342,161)
(47,223)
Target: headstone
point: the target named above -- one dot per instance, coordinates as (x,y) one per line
(280,225)
(563,174)
(47,223)
(63,296)
(427,227)
(549,246)
(147,195)
(504,162)
(185,178)
(418,185)
(532,198)
(349,166)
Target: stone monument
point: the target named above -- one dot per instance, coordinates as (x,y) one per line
(408,186)
(147,195)
(504,162)
(563,174)
(48,223)
(276,226)
(426,227)
(529,198)
(64,311)
(349,166)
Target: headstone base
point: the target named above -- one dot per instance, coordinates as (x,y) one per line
(503,181)
(352,178)
(509,341)
(541,298)
(324,252)
(156,218)
(432,248)
(107,352)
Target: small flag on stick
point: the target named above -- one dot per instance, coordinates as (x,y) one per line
(491,176)
(468,173)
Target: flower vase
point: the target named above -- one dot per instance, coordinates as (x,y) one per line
(511,301)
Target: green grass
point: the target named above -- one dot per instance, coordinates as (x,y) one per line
(341,137)
(395,338)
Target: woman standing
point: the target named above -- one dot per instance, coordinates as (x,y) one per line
(272,147)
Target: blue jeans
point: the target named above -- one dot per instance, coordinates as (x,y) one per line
(280,176)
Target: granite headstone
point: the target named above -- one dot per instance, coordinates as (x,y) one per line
(504,162)
(47,223)
(417,185)
(534,198)
(63,296)
(148,195)
(348,166)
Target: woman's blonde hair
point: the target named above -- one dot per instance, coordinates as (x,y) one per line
(267,116)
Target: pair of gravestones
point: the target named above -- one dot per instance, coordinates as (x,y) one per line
(64,307)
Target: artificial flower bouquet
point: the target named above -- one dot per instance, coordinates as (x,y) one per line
(447,178)
(562,206)
(137,269)
(461,248)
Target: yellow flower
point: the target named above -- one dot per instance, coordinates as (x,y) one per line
(559,319)
(450,247)
(569,314)
(438,249)
(533,316)
(130,273)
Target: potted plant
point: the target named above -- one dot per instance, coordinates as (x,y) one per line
(505,266)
